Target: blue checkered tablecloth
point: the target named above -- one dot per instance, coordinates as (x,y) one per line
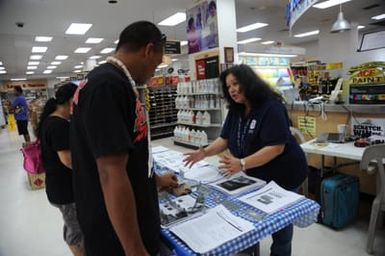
(302,214)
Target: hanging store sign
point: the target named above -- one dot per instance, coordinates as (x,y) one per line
(296,8)
(368,76)
(172,47)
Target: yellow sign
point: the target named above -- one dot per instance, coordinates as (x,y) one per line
(331,66)
(367,76)
(307,125)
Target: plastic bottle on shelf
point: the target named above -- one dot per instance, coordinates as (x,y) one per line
(199,117)
(193,136)
(204,139)
(194,118)
(191,117)
(178,115)
(206,118)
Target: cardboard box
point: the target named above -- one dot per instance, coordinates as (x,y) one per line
(36,181)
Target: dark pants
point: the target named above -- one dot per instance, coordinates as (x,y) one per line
(282,242)
(22,127)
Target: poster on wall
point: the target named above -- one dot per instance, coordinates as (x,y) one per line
(202,27)
(366,127)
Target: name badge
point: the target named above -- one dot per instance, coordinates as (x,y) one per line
(253,124)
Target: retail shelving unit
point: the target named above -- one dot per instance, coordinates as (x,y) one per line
(199,96)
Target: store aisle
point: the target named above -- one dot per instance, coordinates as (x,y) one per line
(30,226)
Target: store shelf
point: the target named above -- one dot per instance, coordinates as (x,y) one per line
(187,144)
(163,125)
(200,125)
(201,93)
(200,109)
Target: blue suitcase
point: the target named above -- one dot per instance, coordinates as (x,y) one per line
(339,200)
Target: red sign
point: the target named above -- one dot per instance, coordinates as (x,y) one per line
(200,69)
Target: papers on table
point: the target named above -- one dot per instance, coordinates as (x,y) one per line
(238,184)
(204,174)
(211,230)
(270,198)
(171,159)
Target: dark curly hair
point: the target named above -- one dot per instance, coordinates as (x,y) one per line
(256,90)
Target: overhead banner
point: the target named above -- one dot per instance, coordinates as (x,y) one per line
(368,126)
(295,9)
(202,27)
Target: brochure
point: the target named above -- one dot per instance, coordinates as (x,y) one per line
(238,184)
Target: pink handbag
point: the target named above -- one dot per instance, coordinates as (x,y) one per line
(33,162)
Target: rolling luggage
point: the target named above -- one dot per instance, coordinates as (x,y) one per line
(339,200)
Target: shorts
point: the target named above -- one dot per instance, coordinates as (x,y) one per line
(71,230)
(22,127)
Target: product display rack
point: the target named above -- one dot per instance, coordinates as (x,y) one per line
(201,96)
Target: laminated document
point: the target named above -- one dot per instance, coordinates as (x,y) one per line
(271,198)
(212,229)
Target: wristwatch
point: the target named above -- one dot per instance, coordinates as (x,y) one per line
(243,164)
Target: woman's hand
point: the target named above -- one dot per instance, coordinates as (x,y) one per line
(167,181)
(230,165)
(193,157)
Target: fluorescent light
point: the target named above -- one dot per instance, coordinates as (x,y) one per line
(360,27)
(33,63)
(3,72)
(43,38)
(77,71)
(78,28)
(61,57)
(18,79)
(102,62)
(252,27)
(268,42)
(182,43)
(174,59)
(95,57)
(62,77)
(310,33)
(162,66)
(55,62)
(267,54)
(51,67)
(250,40)
(78,66)
(36,57)
(94,40)
(1,63)
(39,49)
(174,19)
(31,67)
(379,17)
(107,50)
(29,72)
(47,71)
(116,42)
(329,3)
(82,50)
(2,68)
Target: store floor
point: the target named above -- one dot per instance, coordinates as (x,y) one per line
(29,226)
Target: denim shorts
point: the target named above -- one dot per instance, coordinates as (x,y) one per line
(71,231)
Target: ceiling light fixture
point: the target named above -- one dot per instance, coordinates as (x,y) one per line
(107,50)
(379,17)
(174,60)
(116,42)
(162,66)
(18,79)
(1,63)
(47,71)
(77,71)
(61,57)
(29,72)
(250,40)
(267,54)
(268,42)
(62,77)
(2,68)
(55,62)
(183,43)
(43,38)
(360,27)
(95,57)
(252,27)
(94,40)
(82,50)
(310,33)
(174,19)
(330,3)
(51,67)
(36,57)
(102,62)
(78,28)
(78,66)
(3,72)
(340,25)
(31,67)
(33,63)
(39,49)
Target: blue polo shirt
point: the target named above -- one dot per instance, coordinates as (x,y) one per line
(21,108)
(266,126)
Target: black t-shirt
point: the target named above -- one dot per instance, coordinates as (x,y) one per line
(58,181)
(108,119)
(266,126)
